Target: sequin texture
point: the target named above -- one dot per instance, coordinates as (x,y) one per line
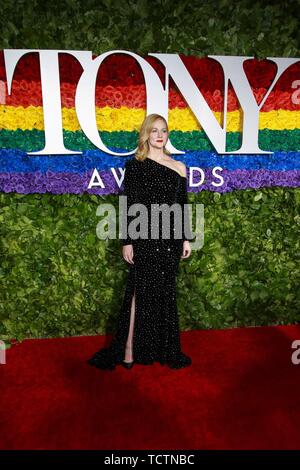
(156,335)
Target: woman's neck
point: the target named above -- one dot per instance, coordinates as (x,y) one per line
(157,155)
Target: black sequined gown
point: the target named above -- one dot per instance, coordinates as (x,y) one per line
(156,335)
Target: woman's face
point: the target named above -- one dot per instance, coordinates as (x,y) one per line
(158,135)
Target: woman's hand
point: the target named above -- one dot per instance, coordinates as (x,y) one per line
(186,250)
(127,252)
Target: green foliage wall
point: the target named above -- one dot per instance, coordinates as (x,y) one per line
(57,278)
(199,28)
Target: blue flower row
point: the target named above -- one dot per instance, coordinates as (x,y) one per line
(12,160)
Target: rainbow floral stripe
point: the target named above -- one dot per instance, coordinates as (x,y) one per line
(120,109)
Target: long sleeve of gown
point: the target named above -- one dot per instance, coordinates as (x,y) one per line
(130,190)
(183,199)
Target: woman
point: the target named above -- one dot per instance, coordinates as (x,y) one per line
(148,325)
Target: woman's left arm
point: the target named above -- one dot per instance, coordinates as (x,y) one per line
(187,234)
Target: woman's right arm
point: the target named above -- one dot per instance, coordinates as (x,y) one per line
(130,190)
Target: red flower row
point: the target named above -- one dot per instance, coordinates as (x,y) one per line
(122,70)
(25,93)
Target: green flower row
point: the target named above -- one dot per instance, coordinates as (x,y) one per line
(286,140)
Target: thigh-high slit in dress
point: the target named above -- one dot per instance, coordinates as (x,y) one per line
(152,277)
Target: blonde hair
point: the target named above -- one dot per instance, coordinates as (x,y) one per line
(143,144)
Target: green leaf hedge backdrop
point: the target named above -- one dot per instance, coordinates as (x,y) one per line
(57,278)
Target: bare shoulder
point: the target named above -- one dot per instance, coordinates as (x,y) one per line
(180,167)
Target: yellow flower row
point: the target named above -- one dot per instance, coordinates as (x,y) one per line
(126,119)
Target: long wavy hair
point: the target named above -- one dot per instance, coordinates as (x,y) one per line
(143,144)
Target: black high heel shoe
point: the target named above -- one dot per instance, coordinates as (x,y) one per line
(127,365)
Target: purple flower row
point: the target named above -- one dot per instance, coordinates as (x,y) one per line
(72,183)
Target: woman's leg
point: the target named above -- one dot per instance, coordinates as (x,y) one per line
(128,349)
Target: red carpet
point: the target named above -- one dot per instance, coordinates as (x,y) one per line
(241,392)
